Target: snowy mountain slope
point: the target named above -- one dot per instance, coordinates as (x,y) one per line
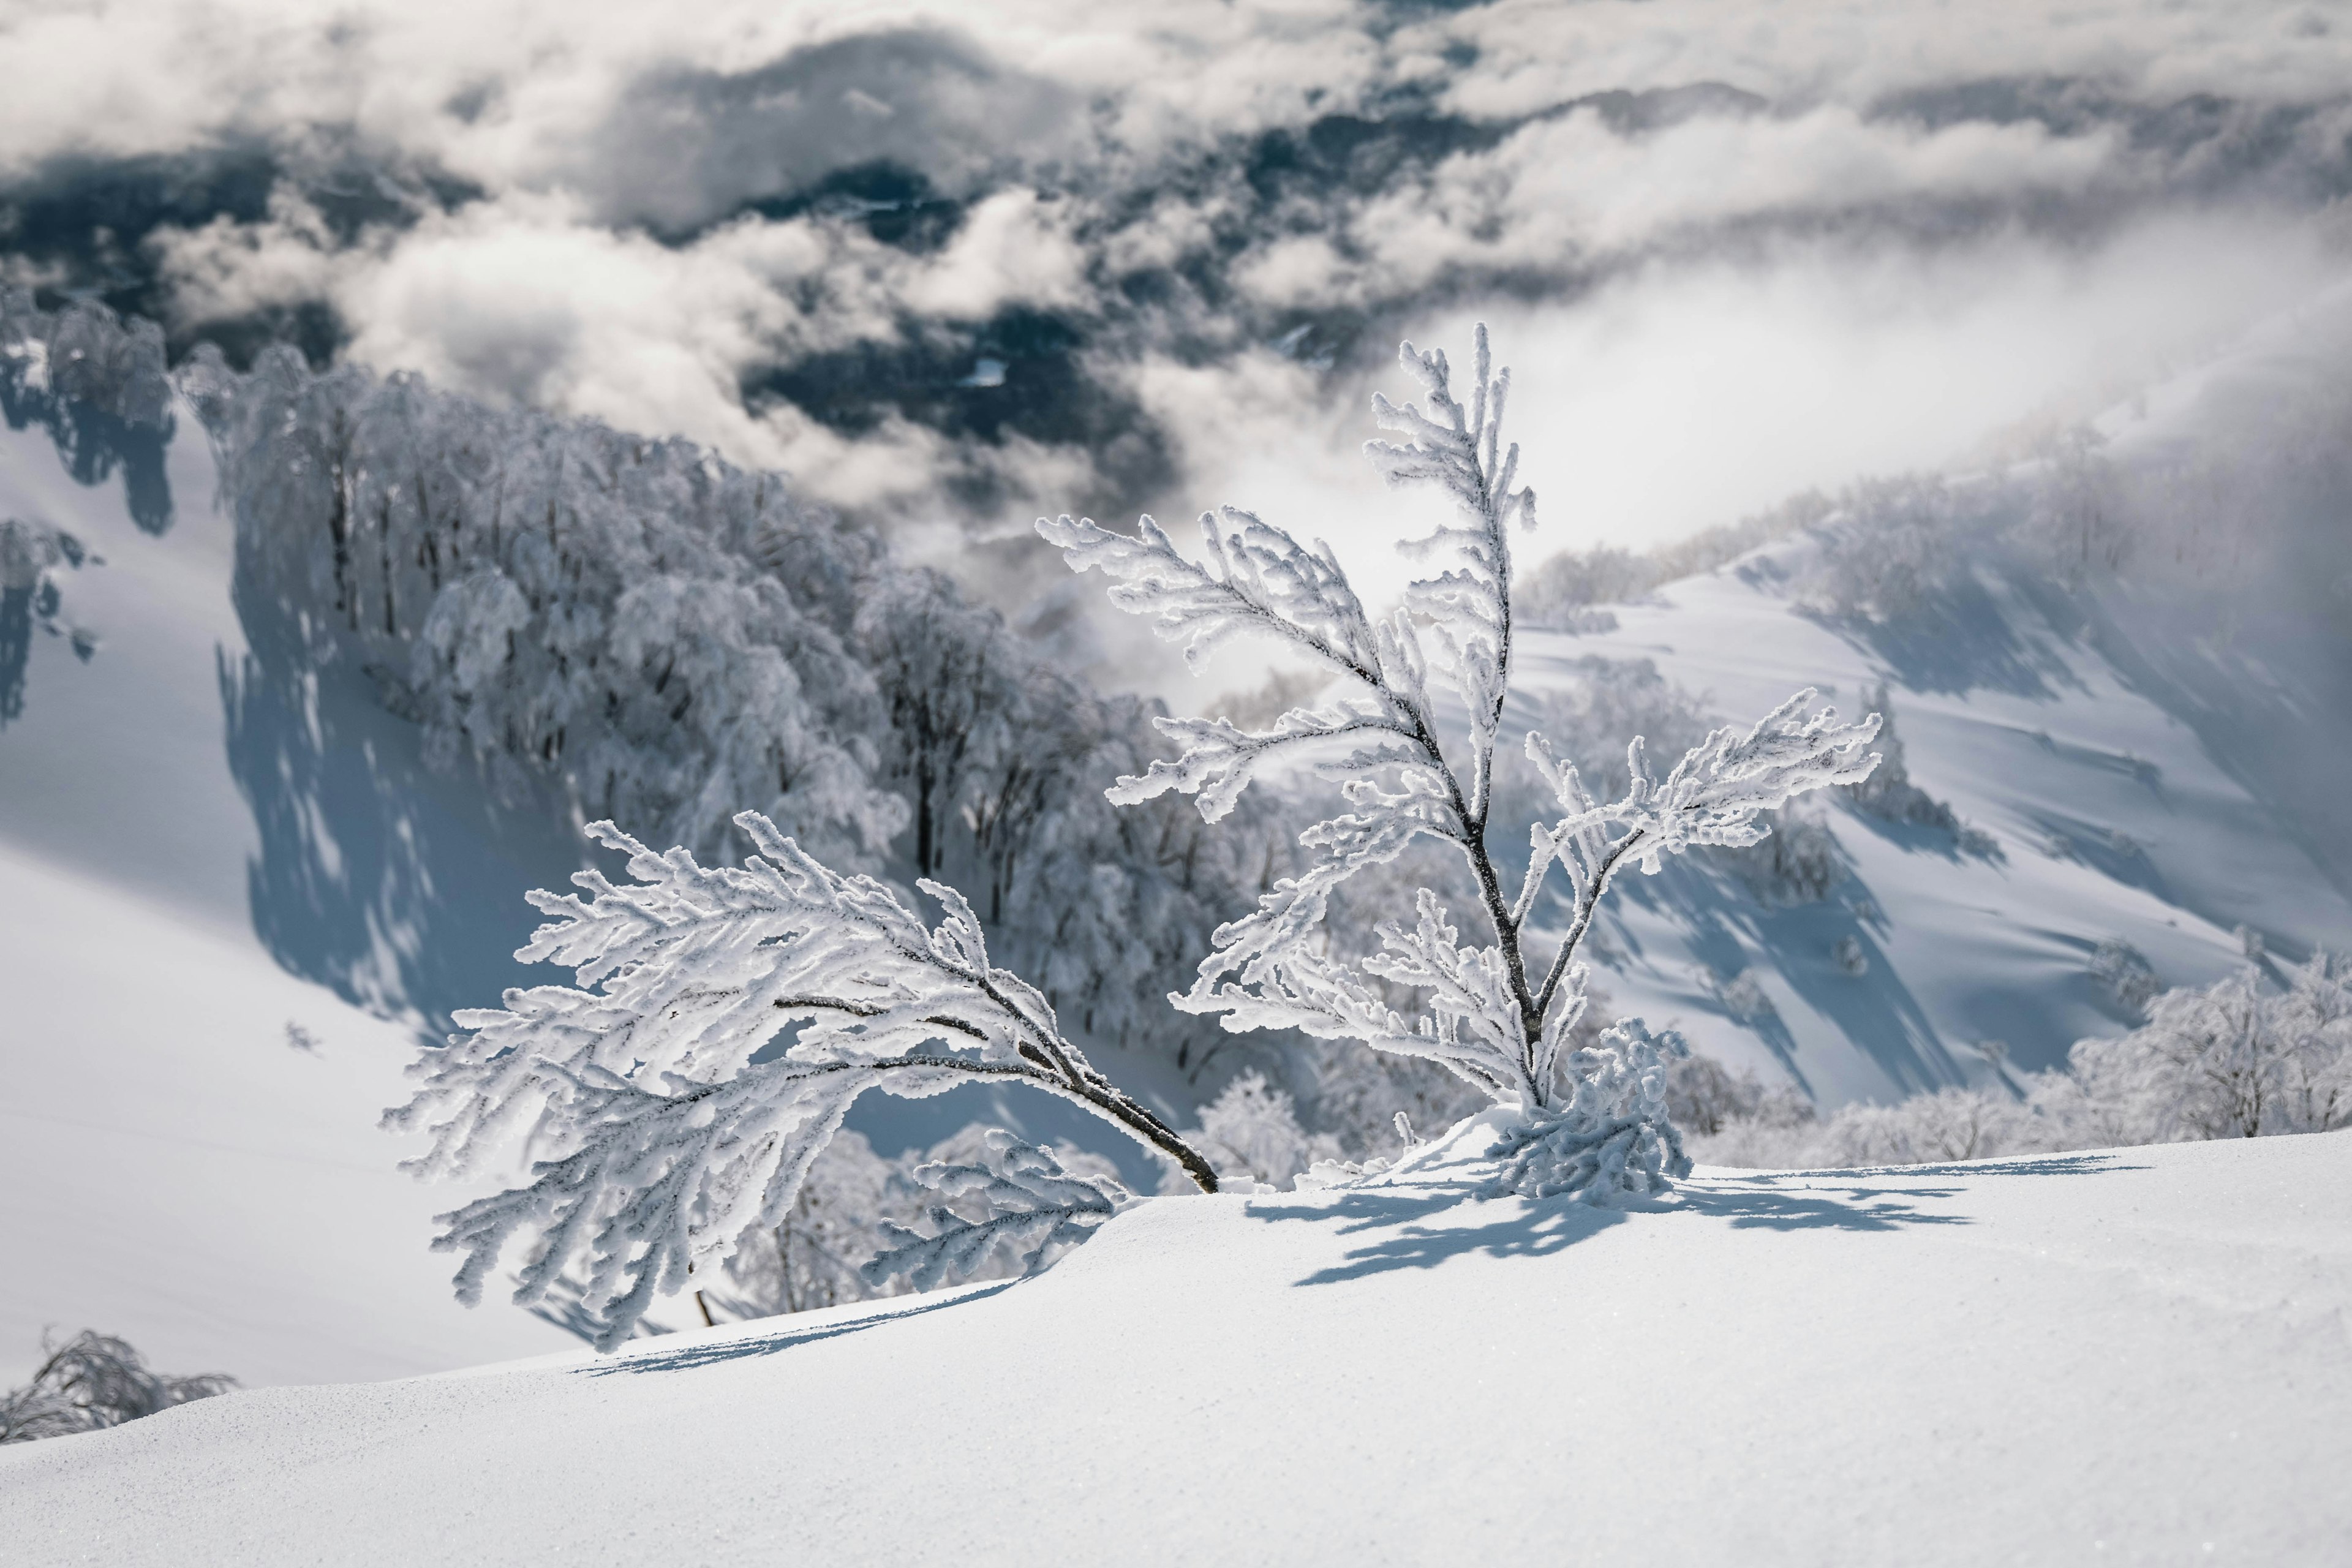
(2144,763)
(203,837)
(2132,1357)
(2112,818)
(171,1168)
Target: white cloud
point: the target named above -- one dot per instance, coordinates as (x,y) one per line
(1013,249)
(1792,295)
(1687,394)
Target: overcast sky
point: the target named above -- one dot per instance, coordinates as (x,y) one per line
(955,265)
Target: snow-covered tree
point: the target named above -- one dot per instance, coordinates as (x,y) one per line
(665,1125)
(2233,1059)
(1496,1012)
(1251,1132)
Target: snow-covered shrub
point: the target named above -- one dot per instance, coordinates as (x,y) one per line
(1491,1012)
(663,1125)
(1250,1132)
(2078,521)
(1570,584)
(811,1256)
(94,1381)
(1888,792)
(1847,953)
(1953,1123)
(1743,995)
(2227,1061)
(2233,1059)
(1799,863)
(1614,1136)
(1360,1094)
(2126,973)
(1704,1096)
(88,355)
(1561,594)
(1885,550)
(851,1207)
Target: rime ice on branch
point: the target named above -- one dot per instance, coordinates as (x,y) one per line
(662,1138)
(1495,1012)
(1031,1202)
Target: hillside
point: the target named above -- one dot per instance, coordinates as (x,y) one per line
(2131,1356)
(2142,756)
(265,842)
(170,1166)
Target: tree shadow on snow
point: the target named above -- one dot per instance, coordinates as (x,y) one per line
(686,1358)
(94,444)
(1421,1228)
(2087,1164)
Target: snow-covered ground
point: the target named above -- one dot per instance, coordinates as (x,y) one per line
(171,1168)
(2135,1356)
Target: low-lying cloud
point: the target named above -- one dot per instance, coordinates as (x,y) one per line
(953,267)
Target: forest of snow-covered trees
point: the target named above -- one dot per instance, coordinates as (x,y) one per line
(606,626)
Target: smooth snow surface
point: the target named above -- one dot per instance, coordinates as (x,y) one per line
(2139,1355)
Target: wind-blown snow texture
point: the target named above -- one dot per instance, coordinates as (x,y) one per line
(2106,1357)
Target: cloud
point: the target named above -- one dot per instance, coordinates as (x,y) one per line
(1805,242)
(684,146)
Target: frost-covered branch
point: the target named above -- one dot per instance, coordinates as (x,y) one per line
(662,1136)
(1713,795)
(1028,1201)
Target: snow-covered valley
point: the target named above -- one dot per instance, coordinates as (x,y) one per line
(2130,1356)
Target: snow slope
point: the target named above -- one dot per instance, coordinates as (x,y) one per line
(171,1170)
(2133,1356)
(2147,765)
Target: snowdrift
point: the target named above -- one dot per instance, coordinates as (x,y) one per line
(2134,1355)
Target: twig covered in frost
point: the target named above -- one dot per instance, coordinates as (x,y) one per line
(1030,1203)
(1491,1014)
(661,1137)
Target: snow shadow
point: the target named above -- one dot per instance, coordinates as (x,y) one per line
(686,1358)
(1409,1228)
(2084,1164)
(1726,930)
(94,444)
(400,891)
(1958,640)
(1422,1228)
